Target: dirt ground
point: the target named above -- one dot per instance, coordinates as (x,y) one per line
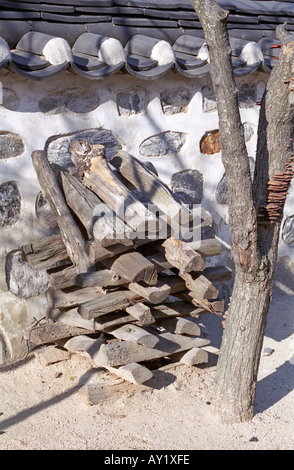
(41,407)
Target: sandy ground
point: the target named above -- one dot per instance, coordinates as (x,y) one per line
(41,407)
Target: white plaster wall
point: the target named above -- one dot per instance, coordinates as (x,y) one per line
(35,128)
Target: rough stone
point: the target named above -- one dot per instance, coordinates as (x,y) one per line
(22,280)
(11,145)
(163,144)
(187,185)
(9,99)
(57,146)
(208,99)
(10,203)
(209,144)
(288,231)
(75,100)
(248,131)
(247,95)
(175,101)
(131,102)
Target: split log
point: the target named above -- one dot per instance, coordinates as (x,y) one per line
(109,302)
(180,255)
(135,334)
(52,332)
(71,235)
(44,213)
(133,267)
(120,353)
(181,326)
(96,217)
(70,298)
(142,313)
(62,277)
(175,309)
(51,354)
(135,373)
(102,278)
(72,318)
(193,357)
(95,393)
(199,284)
(45,253)
(214,306)
(113,320)
(155,294)
(150,185)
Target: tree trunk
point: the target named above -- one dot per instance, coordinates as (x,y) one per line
(255,211)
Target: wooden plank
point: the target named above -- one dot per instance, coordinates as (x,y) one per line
(149,184)
(135,334)
(70,232)
(181,326)
(101,278)
(51,354)
(109,302)
(113,320)
(133,267)
(142,313)
(71,297)
(120,353)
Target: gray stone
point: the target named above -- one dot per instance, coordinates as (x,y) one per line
(22,280)
(247,95)
(11,145)
(248,131)
(10,203)
(131,102)
(288,231)
(208,99)
(187,185)
(57,146)
(9,99)
(75,100)
(175,101)
(166,143)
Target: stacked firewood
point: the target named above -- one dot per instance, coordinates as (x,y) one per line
(121,293)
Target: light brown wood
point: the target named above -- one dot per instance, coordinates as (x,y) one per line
(135,334)
(142,313)
(45,253)
(133,267)
(155,294)
(109,302)
(180,255)
(51,332)
(202,286)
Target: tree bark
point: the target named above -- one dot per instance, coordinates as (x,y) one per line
(253,216)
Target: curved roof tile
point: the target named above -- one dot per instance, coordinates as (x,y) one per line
(146,38)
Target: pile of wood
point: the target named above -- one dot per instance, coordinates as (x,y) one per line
(124,299)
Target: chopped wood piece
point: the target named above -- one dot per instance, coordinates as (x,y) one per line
(99,253)
(194,357)
(50,355)
(102,278)
(215,306)
(155,294)
(149,184)
(175,309)
(70,233)
(45,253)
(182,326)
(44,212)
(73,318)
(111,320)
(95,393)
(62,277)
(109,302)
(180,255)
(133,372)
(135,334)
(71,297)
(51,332)
(120,353)
(85,344)
(200,285)
(133,267)
(142,313)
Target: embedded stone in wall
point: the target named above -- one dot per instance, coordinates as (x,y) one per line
(248,131)
(187,185)
(209,144)
(131,102)
(10,99)
(10,203)
(175,101)
(22,280)
(75,100)
(288,231)
(163,144)
(209,100)
(247,95)
(57,146)
(11,145)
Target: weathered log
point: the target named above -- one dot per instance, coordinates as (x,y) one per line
(135,334)
(181,326)
(95,393)
(51,332)
(175,309)
(109,302)
(44,213)
(120,353)
(62,277)
(214,306)
(113,320)
(155,294)
(142,313)
(71,234)
(199,284)
(45,253)
(193,357)
(96,217)
(133,267)
(150,185)
(101,278)
(69,298)
(72,318)
(180,255)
